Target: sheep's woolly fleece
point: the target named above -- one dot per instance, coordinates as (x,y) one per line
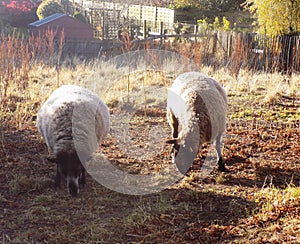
(199,103)
(73,118)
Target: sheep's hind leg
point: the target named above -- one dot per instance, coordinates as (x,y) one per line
(82,177)
(221,164)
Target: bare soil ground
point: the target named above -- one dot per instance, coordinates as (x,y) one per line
(256,201)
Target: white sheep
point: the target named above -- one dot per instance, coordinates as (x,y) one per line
(73,121)
(196,113)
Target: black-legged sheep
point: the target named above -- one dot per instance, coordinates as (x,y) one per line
(196,113)
(73,121)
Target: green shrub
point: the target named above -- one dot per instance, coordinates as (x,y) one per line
(80,16)
(49,7)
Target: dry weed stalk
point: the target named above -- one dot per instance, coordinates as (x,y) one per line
(38,47)
(50,35)
(126,48)
(126,41)
(25,57)
(60,49)
(19,56)
(9,55)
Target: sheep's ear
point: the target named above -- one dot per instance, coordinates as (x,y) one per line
(172,141)
(51,158)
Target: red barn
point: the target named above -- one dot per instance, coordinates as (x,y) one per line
(73,28)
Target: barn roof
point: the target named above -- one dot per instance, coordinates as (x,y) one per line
(47,19)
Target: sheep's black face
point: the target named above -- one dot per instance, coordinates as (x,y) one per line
(180,163)
(174,149)
(73,185)
(72,176)
(174,152)
(71,169)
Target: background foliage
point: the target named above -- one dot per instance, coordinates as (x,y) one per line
(276,17)
(80,16)
(49,7)
(19,13)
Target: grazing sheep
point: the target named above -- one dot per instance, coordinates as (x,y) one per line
(196,113)
(73,121)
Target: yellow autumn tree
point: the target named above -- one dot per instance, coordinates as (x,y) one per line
(276,17)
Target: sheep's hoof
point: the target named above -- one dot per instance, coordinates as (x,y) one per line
(221,164)
(82,178)
(223,169)
(82,181)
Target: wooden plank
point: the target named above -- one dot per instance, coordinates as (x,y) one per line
(148,13)
(165,15)
(134,11)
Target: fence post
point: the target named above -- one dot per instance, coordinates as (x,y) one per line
(297,53)
(229,39)
(195,32)
(215,41)
(145,34)
(161,31)
(103,26)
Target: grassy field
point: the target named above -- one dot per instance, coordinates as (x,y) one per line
(256,201)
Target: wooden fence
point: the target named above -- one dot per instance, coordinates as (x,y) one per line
(236,50)
(215,48)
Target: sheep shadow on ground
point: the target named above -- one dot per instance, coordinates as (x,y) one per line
(243,172)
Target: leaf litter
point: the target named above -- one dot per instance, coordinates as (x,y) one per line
(256,201)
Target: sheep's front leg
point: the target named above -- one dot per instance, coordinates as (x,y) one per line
(173,121)
(221,164)
(57,180)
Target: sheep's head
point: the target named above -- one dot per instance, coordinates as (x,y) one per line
(71,169)
(182,154)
